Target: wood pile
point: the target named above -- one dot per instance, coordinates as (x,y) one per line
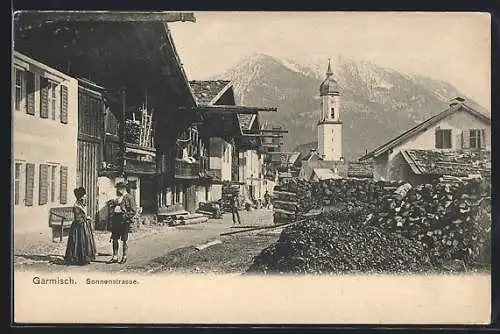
(450,218)
(211,209)
(291,199)
(189,219)
(337,242)
(133,132)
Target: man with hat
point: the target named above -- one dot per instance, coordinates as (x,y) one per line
(123,212)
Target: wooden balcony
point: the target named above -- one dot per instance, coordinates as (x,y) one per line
(133,166)
(139,160)
(186,170)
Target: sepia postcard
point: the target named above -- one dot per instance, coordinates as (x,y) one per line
(251,168)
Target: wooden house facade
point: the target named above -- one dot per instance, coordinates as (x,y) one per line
(236,139)
(125,63)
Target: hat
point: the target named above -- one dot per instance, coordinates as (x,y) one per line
(79,192)
(121,185)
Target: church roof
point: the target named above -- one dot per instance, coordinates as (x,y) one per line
(329,85)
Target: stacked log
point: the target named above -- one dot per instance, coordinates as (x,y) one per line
(211,209)
(337,242)
(291,199)
(353,193)
(450,219)
(189,219)
(133,132)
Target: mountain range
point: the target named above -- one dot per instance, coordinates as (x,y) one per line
(377,103)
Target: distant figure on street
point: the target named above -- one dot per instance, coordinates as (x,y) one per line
(267,200)
(81,249)
(123,213)
(234,210)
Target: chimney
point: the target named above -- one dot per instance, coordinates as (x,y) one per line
(457,100)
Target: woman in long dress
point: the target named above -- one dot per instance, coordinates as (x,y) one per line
(81,249)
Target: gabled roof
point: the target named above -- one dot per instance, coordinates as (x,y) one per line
(454,163)
(324,173)
(292,159)
(311,155)
(424,126)
(359,169)
(246,121)
(209,91)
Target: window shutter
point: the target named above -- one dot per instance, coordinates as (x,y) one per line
(43,186)
(465,139)
(44,98)
(30,93)
(30,182)
(483,138)
(64,104)
(436,139)
(63,195)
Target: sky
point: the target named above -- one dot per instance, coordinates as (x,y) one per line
(454,47)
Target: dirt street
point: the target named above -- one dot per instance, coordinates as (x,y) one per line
(144,247)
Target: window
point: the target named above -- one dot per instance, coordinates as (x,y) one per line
(179,153)
(475,139)
(43,184)
(17,183)
(443,138)
(177,194)
(19,83)
(52,99)
(53,183)
(332,113)
(30,184)
(63,186)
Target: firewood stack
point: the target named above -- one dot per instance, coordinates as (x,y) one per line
(291,199)
(353,193)
(296,197)
(336,242)
(450,219)
(133,132)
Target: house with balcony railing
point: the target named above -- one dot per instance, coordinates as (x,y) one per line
(130,88)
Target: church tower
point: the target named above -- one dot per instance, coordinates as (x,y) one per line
(330,125)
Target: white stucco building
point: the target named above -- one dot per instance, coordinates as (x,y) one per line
(45,120)
(457,129)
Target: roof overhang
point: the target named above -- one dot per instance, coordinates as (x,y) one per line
(424,126)
(221,93)
(131,50)
(41,16)
(229,109)
(222,120)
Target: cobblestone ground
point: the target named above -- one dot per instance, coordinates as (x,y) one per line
(38,252)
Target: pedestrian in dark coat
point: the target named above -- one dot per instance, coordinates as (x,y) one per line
(124,212)
(80,249)
(234,210)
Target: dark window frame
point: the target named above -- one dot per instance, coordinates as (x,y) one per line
(475,138)
(18,87)
(17,182)
(443,139)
